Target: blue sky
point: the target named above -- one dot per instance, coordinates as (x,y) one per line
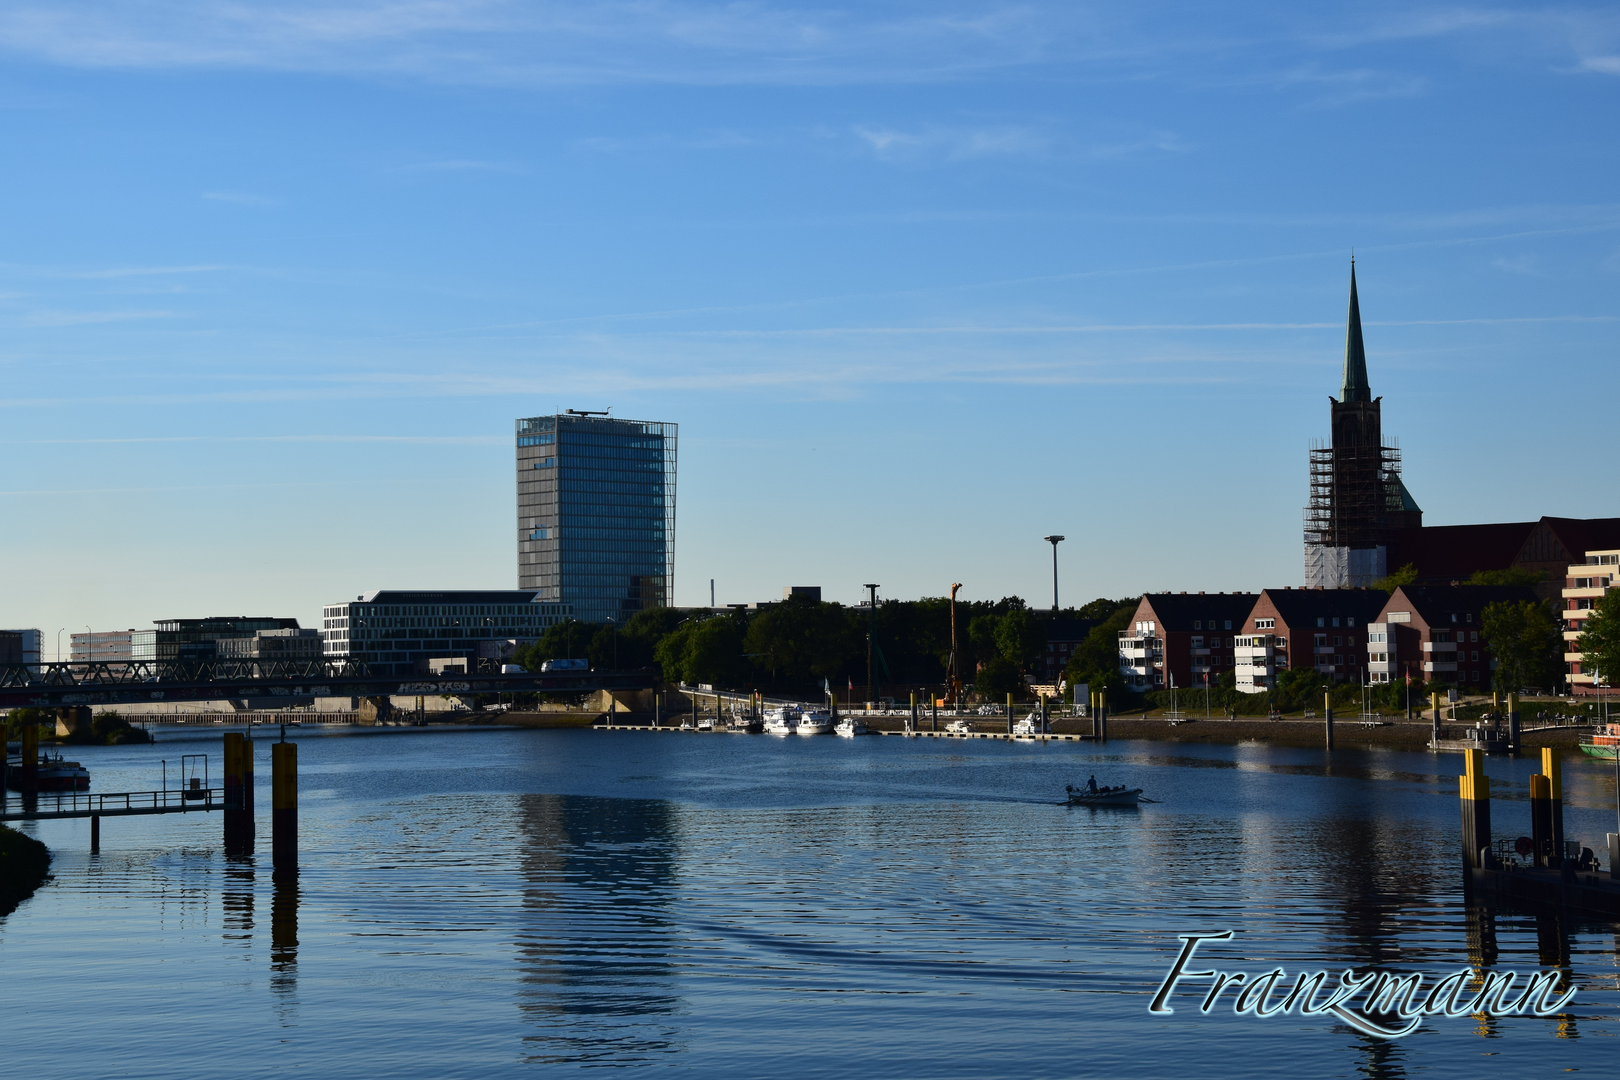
(921,283)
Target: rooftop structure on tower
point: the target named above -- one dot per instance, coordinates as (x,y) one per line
(1357,500)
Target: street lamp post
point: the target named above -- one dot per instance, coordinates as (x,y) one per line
(871,592)
(1054,541)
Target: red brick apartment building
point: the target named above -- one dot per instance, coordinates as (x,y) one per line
(1318,628)
(1432,633)
(1586,583)
(1182,636)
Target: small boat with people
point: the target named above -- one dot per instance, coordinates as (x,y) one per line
(1092,795)
(782,720)
(815,722)
(1604,744)
(849,727)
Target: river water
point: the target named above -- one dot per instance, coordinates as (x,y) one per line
(515,903)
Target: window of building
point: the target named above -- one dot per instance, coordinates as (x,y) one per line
(1474,656)
(1227,626)
(1265,624)
(1321,620)
(1351,621)
(1337,640)
(1198,624)
(1198,643)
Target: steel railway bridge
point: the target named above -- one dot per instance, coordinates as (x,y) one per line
(96,684)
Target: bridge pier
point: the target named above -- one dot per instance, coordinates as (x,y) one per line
(72,719)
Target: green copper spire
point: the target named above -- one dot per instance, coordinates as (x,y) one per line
(1355,355)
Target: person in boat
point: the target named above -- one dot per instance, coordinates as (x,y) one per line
(1091,786)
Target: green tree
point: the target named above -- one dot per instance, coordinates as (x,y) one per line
(1524,637)
(1404,576)
(800,642)
(566,640)
(1300,688)
(1019,638)
(1095,661)
(705,650)
(1599,643)
(997,678)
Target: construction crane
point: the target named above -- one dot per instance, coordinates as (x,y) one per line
(953,677)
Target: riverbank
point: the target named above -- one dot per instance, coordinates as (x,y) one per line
(25,865)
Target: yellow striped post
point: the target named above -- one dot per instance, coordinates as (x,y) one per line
(1551,768)
(284,808)
(1541,817)
(1475,788)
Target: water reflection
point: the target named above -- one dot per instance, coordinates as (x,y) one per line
(284,936)
(598,935)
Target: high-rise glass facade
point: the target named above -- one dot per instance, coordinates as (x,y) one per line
(596,513)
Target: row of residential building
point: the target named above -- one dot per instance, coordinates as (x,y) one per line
(1430,633)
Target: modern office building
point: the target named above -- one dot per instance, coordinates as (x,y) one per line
(1357,498)
(194,639)
(101,645)
(398,633)
(292,644)
(32,640)
(596,513)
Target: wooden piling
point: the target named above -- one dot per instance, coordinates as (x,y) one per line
(1434,704)
(1513,721)
(933,720)
(95,834)
(237,814)
(284,808)
(30,757)
(913,726)
(1009,714)
(1327,711)
(1102,716)
(1475,788)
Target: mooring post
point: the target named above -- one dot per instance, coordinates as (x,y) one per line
(250,824)
(234,804)
(933,721)
(1327,711)
(30,757)
(284,809)
(1475,788)
(1102,715)
(1552,769)
(1091,707)
(1513,721)
(657,698)
(95,834)
(912,729)
(1043,715)
(1541,817)
(1434,702)
(1009,714)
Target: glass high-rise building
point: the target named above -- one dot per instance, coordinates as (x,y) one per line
(596,513)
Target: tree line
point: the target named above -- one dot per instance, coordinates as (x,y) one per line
(797,646)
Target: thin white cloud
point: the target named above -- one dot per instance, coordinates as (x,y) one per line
(1607,65)
(955,143)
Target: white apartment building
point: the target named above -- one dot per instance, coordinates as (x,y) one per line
(1584,585)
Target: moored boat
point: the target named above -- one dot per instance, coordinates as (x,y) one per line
(782,720)
(1030,725)
(1107,796)
(815,722)
(1605,744)
(849,727)
(51,774)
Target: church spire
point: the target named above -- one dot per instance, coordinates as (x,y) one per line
(1355,355)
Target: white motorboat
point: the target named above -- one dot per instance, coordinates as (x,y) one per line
(815,722)
(706,724)
(782,720)
(1108,796)
(1030,725)
(849,727)
(959,727)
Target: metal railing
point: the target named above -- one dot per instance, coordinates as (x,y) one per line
(115,804)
